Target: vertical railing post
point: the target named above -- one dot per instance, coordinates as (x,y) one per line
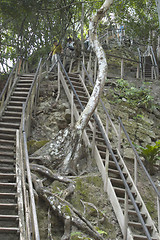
(138,71)
(144,66)
(19,66)
(107,38)
(89,70)
(152,72)
(70,67)
(16,72)
(122,68)
(107,125)
(107,158)
(94,138)
(26,66)
(78,68)
(119,138)
(135,170)
(47,69)
(59,85)
(95,69)
(125,216)
(72,111)
(158,212)
(23,66)
(83,73)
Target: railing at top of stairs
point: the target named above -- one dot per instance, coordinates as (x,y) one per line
(20,67)
(128,191)
(153,65)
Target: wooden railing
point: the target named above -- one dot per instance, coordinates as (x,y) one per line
(137,159)
(30,215)
(29,109)
(109,149)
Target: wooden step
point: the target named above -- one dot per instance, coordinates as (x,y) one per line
(9,125)
(115,173)
(5,136)
(84,103)
(14,108)
(76,85)
(120,192)
(14,114)
(7,185)
(7,131)
(4,161)
(9,222)
(25,81)
(20,94)
(112,165)
(12,119)
(17,89)
(141,237)
(132,216)
(5,147)
(8,176)
(9,217)
(9,230)
(8,195)
(82,98)
(122,200)
(23,85)
(9,153)
(8,169)
(5,142)
(101,147)
(8,205)
(138,225)
(18,99)
(77,88)
(118,182)
(15,103)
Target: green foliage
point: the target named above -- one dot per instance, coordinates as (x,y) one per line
(102,232)
(134,96)
(138,16)
(78,236)
(34,145)
(150,153)
(138,116)
(66,210)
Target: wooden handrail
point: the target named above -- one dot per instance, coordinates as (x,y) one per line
(10,76)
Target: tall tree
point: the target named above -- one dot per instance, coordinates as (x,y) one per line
(75,136)
(158,10)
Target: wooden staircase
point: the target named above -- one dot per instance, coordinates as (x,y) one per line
(114,186)
(148,67)
(10,219)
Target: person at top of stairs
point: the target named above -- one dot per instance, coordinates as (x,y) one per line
(56,49)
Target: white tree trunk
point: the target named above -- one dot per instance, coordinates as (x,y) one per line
(158,10)
(102,67)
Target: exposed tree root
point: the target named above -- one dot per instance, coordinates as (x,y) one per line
(63,153)
(49,174)
(65,211)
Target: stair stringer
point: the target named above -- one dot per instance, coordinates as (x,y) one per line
(117,210)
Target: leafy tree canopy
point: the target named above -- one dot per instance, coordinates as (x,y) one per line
(30,25)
